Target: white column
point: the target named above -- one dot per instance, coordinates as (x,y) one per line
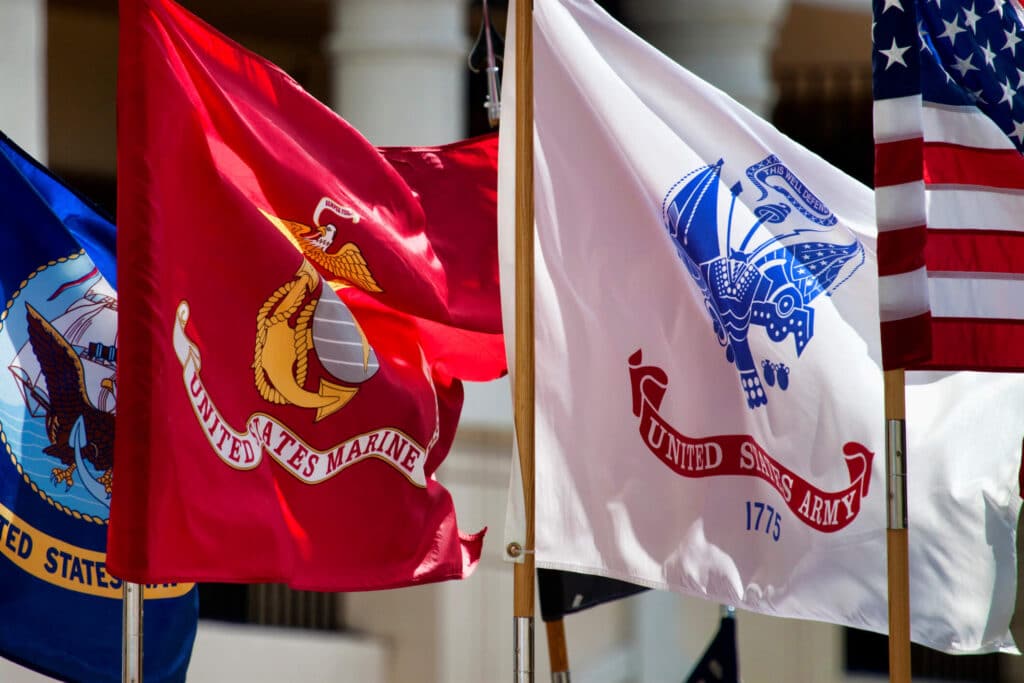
(23,74)
(725,42)
(399,76)
(669,634)
(474,622)
(399,69)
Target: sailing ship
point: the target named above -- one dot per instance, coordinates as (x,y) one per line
(66,375)
(89,325)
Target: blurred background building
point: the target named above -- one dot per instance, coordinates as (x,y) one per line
(396,69)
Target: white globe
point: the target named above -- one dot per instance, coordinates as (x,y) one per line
(338,341)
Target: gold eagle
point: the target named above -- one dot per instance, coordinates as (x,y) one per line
(346,264)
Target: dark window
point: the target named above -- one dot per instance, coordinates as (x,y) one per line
(224,602)
(96,188)
(869,653)
(828,110)
(270,605)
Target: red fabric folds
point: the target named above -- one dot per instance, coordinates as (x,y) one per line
(297,310)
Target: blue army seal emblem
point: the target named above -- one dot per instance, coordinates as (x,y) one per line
(756,276)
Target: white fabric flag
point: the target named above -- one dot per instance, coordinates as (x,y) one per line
(708,386)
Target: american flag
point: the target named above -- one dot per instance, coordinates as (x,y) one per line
(949,182)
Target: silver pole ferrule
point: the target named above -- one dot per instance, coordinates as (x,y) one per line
(131,633)
(493,103)
(522,646)
(560,677)
(896,472)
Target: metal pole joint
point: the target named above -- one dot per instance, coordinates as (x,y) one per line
(522,646)
(896,481)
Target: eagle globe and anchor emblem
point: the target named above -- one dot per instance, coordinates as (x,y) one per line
(305,317)
(309,352)
(750,279)
(62,326)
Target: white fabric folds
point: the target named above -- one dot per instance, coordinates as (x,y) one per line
(709,409)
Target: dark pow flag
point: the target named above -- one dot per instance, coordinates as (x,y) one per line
(564,593)
(720,663)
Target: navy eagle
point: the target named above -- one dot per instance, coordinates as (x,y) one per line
(67,402)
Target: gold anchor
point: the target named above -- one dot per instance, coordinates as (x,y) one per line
(281,359)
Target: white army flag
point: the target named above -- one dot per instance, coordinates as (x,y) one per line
(708,383)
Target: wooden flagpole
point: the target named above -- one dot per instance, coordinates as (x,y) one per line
(525,573)
(131,632)
(558,653)
(896,534)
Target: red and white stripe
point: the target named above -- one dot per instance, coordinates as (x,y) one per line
(950,209)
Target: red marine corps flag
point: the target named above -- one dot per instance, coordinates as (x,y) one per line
(294,323)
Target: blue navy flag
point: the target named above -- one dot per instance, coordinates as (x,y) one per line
(720,663)
(949,132)
(58,395)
